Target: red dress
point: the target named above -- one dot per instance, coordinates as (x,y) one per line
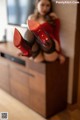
(43,37)
(53,31)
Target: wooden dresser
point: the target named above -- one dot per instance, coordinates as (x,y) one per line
(41,86)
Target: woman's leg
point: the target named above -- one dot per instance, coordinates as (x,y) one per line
(28,48)
(29,36)
(52,55)
(22,44)
(50,46)
(43,38)
(37,53)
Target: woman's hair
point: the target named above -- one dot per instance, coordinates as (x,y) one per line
(36,13)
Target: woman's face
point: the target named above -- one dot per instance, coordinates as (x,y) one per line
(43,7)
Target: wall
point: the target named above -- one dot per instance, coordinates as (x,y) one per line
(3,17)
(67,15)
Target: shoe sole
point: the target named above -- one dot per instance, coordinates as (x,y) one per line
(17,38)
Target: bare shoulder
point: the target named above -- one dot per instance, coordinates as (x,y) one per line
(31,17)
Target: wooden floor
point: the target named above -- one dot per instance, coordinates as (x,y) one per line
(18,111)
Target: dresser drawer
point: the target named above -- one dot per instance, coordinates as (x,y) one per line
(4,74)
(37,82)
(19,76)
(20,92)
(19,84)
(38,102)
(38,67)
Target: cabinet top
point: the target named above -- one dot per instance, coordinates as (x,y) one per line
(10,49)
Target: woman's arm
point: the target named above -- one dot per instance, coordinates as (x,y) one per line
(53,16)
(56,20)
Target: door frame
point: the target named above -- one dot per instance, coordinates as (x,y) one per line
(76,58)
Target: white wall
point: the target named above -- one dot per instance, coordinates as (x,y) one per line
(67,15)
(3,17)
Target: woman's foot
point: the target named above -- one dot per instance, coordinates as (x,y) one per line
(62,59)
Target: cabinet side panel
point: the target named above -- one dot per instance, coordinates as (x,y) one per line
(56,87)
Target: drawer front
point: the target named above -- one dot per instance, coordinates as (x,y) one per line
(19,85)
(38,67)
(4,75)
(37,82)
(37,92)
(20,92)
(19,76)
(38,102)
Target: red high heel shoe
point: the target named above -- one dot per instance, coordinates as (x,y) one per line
(21,44)
(43,38)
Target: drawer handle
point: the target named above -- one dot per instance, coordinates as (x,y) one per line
(12,59)
(29,74)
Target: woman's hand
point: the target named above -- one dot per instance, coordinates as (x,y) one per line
(53,15)
(62,59)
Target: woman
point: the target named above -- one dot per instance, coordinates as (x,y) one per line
(50,22)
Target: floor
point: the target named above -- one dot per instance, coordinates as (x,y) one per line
(18,111)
